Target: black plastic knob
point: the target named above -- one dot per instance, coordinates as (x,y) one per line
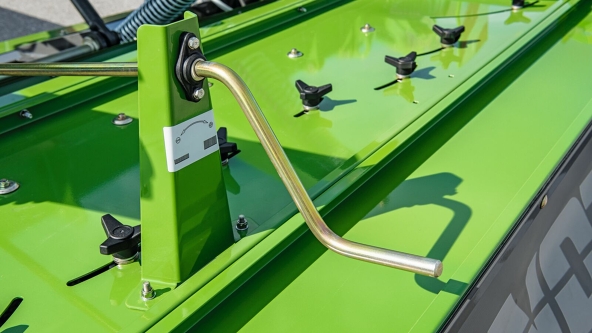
(312,96)
(405,65)
(448,36)
(227,149)
(122,240)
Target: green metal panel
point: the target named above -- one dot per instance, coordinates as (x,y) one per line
(469,176)
(75,166)
(185,216)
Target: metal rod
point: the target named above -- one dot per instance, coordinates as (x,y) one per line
(128,69)
(404,261)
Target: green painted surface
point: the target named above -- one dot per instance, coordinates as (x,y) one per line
(185,215)
(493,150)
(452,195)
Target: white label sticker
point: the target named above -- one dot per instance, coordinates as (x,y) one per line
(190,141)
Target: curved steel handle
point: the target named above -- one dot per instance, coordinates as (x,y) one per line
(404,261)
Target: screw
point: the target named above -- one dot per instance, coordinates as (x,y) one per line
(26,114)
(242,226)
(294,53)
(147,291)
(544,202)
(199,93)
(367,28)
(210,84)
(193,43)
(122,119)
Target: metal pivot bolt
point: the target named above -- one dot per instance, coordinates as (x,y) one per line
(26,114)
(199,93)
(147,292)
(122,119)
(8,186)
(242,226)
(193,43)
(294,53)
(367,28)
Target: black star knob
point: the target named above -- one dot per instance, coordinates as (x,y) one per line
(517,4)
(405,65)
(312,96)
(122,240)
(448,36)
(227,149)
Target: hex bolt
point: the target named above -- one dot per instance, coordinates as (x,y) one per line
(367,28)
(242,226)
(193,43)
(122,119)
(294,53)
(26,114)
(147,292)
(199,93)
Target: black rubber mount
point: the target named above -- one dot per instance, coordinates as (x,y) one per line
(227,149)
(184,67)
(518,3)
(312,96)
(405,65)
(122,240)
(448,36)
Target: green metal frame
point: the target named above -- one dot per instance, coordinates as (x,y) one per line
(185,214)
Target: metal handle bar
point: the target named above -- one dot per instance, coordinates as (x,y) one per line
(400,260)
(326,236)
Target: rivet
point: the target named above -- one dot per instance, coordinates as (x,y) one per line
(147,291)
(26,114)
(367,28)
(8,186)
(193,43)
(544,201)
(122,119)
(294,53)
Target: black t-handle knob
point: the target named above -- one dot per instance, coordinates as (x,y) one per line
(517,4)
(448,36)
(122,240)
(405,65)
(312,96)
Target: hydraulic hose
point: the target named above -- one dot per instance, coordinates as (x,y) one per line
(151,12)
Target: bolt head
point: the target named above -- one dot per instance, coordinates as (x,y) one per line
(294,53)
(193,43)
(4,183)
(199,93)
(544,201)
(367,28)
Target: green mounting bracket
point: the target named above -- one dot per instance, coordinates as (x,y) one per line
(184,208)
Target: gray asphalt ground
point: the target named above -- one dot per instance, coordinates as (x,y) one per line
(23,17)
